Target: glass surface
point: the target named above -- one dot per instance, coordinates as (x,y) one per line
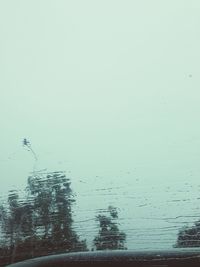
(100,135)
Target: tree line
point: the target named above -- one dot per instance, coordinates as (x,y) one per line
(41,222)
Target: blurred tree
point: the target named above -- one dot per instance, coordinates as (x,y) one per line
(53,199)
(189,236)
(3,223)
(16,223)
(40,223)
(109,236)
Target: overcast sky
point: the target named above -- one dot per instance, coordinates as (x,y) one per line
(106,90)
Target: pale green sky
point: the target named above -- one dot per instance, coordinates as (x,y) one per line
(107,88)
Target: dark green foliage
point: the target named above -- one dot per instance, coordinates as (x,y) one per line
(189,236)
(109,236)
(53,199)
(16,225)
(41,223)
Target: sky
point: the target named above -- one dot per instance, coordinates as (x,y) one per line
(106,90)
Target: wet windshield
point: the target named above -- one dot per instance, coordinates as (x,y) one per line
(99,135)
